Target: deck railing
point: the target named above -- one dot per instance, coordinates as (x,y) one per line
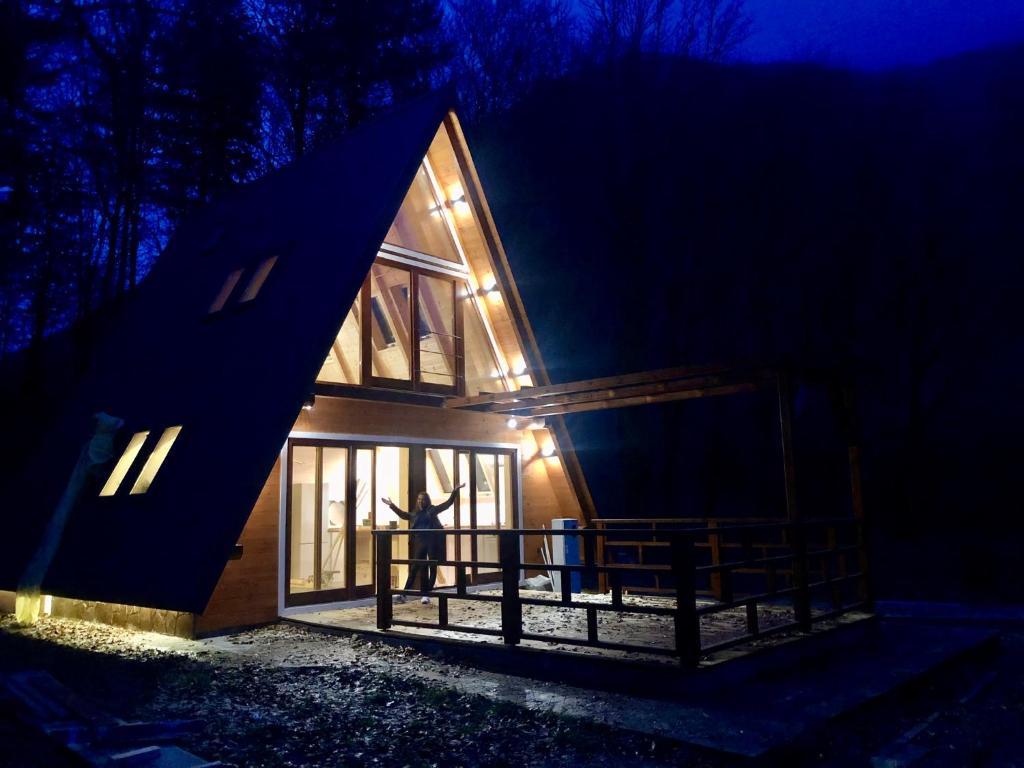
(816,569)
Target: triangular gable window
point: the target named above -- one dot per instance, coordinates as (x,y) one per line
(420,225)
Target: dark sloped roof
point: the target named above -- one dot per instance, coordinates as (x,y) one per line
(235,381)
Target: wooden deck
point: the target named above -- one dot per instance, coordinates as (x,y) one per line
(654,631)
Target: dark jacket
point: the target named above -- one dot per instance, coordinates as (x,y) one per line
(425,518)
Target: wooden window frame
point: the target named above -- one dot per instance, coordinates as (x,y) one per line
(414,382)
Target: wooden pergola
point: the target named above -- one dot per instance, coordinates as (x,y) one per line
(687,383)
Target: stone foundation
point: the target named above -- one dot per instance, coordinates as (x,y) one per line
(129,616)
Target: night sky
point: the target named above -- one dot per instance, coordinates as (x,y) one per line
(877,34)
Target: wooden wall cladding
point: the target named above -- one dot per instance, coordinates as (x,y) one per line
(246,594)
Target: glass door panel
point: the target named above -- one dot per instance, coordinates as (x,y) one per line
(485,488)
(333,518)
(392,477)
(506,504)
(466,545)
(440,474)
(302,524)
(364,517)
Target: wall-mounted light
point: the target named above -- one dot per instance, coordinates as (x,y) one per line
(518,369)
(547,451)
(489,286)
(512,423)
(457,199)
(309,402)
(537,424)
(460,205)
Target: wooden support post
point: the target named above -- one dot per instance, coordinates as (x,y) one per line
(832,565)
(753,628)
(591,625)
(442,611)
(590,560)
(715,543)
(511,606)
(866,590)
(615,577)
(801,595)
(460,579)
(384,607)
(687,623)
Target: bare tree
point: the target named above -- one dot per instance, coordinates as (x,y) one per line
(705,29)
(503,47)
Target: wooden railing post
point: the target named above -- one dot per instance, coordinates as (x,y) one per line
(687,623)
(715,544)
(511,606)
(384,609)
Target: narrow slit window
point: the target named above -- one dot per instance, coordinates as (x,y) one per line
(155,460)
(226,291)
(256,281)
(124,464)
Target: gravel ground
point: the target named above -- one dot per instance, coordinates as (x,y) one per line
(282,696)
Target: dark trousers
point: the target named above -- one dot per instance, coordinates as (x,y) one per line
(424,546)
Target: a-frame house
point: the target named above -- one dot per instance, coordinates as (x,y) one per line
(285,365)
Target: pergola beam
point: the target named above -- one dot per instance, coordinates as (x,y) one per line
(644,388)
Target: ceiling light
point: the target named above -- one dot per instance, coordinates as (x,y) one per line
(512,423)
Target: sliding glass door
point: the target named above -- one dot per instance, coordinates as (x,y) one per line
(334,502)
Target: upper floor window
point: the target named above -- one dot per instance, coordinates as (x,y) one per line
(412,338)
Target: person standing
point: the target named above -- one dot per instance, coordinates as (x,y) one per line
(427,543)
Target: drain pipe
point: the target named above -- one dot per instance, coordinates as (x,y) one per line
(94,455)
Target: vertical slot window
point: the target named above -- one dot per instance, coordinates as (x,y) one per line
(155,460)
(225,292)
(257,280)
(117,474)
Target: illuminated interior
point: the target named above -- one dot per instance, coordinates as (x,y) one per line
(342,365)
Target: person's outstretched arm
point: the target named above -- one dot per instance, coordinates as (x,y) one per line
(396,509)
(451,499)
